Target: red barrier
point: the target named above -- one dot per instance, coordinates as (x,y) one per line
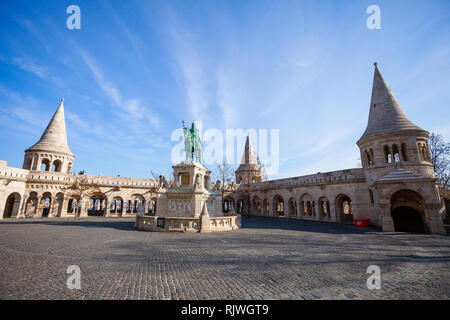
(361,223)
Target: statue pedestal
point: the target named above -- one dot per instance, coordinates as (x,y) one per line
(180,206)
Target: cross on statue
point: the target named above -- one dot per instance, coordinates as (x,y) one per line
(192,143)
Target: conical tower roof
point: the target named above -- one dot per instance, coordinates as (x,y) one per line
(54,138)
(249,156)
(386,114)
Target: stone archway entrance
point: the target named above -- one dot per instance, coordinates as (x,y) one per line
(12,205)
(407,211)
(407,219)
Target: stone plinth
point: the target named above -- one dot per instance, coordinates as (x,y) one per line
(188,205)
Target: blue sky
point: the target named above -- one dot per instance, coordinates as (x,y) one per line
(136,69)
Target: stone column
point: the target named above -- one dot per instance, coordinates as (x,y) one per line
(315,209)
(39,207)
(388,223)
(333,215)
(435,224)
(23,208)
(65,204)
(84,207)
(105,212)
(144,206)
(51,209)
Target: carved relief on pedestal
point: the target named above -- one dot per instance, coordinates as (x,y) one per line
(180,206)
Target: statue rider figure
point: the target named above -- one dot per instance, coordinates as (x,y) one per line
(192,144)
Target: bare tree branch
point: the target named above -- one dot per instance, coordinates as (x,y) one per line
(224,173)
(440,157)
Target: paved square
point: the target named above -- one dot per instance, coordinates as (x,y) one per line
(267,259)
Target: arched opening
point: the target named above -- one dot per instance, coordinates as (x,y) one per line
(240,209)
(128,207)
(46,203)
(74,206)
(12,205)
(113,206)
(56,167)
(58,209)
(324,207)
(344,208)
(97,205)
(152,207)
(227,204)
(32,204)
(396,153)
(138,203)
(306,205)
(256,205)
(119,206)
(278,206)
(45,166)
(407,211)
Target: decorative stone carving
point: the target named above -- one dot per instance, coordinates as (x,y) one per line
(178,207)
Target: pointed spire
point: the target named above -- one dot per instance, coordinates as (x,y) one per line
(386,114)
(249,156)
(54,138)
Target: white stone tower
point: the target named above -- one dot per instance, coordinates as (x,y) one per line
(397,166)
(51,152)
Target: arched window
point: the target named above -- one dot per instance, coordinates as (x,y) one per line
(387,154)
(371,196)
(366,153)
(396,153)
(45,166)
(56,167)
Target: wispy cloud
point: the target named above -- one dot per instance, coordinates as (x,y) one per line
(131,109)
(42,72)
(190,64)
(21,112)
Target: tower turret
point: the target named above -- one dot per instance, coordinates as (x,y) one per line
(249,171)
(51,152)
(402,194)
(391,139)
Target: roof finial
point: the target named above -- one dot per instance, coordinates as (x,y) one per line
(62,99)
(375,64)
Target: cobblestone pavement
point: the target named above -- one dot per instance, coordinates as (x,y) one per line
(267,259)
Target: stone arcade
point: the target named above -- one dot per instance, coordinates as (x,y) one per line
(395,188)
